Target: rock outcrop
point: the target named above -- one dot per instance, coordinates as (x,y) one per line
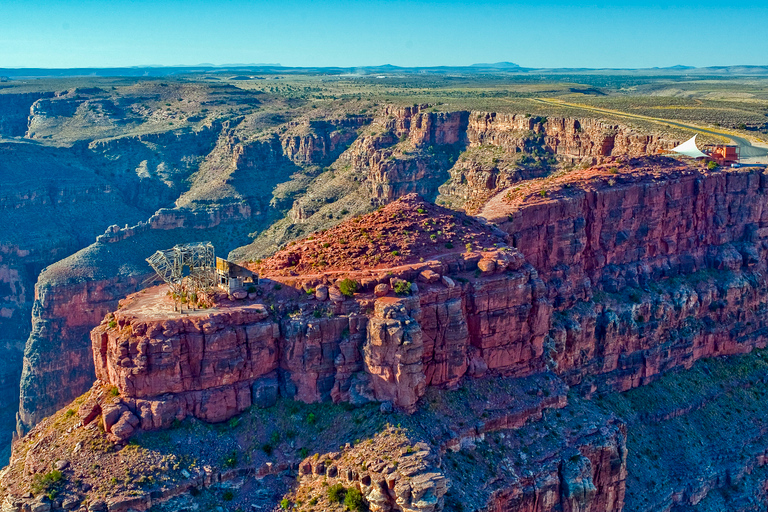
(507,315)
(391,472)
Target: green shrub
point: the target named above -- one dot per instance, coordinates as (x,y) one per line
(230,460)
(112,324)
(449,245)
(712,165)
(348,287)
(251,289)
(337,493)
(421,210)
(285,504)
(395,253)
(354,500)
(402,288)
(45,483)
(311,418)
(228,495)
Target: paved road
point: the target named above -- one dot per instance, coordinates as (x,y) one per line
(746,148)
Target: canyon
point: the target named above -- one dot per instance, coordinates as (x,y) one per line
(529,293)
(540,291)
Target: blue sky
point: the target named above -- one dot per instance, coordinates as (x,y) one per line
(554,33)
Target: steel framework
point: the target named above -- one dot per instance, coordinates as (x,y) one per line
(189,269)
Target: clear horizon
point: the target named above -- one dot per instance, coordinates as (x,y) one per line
(301,33)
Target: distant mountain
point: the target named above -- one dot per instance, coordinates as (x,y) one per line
(497,65)
(679,66)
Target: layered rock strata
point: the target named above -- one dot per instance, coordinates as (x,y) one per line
(494,312)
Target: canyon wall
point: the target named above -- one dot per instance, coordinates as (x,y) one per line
(15,111)
(495,312)
(250,181)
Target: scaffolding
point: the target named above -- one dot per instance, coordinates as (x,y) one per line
(189,270)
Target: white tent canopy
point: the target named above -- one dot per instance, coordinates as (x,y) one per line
(688,148)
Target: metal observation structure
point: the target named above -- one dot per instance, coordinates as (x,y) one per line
(189,270)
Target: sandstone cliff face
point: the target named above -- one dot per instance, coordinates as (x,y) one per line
(63,317)
(320,142)
(74,294)
(410,155)
(488,313)
(635,236)
(504,149)
(15,111)
(114,266)
(519,317)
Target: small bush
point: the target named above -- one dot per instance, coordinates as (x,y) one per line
(230,460)
(45,483)
(251,289)
(449,245)
(278,287)
(543,193)
(395,253)
(113,391)
(303,453)
(402,288)
(311,418)
(112,324)
(354,500)
(337,493)
(421,210)
(348,287)
(712,165)
(228,495)
(285,504)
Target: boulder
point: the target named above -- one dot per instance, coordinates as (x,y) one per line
(447,281)
(41,506)
(239,294)
(97,506)
(335,295)
(89,410)
(111,413)
(70,503)
(381,289)
(429,276)
(486,266)
(125,426)
(321,292)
